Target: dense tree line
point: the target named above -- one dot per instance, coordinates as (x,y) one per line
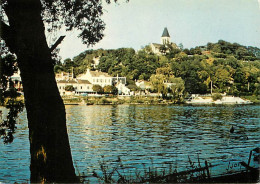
(230,67)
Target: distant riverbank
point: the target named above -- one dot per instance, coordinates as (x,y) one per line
(117,100)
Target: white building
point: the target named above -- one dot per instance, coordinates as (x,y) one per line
(83,84)
(96,78)
(101,78)
(80,86)
(63,76)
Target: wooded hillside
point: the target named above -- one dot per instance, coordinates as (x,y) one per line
(232,68)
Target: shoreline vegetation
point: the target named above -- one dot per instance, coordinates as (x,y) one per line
(197,171)
(138,100)
(148,100)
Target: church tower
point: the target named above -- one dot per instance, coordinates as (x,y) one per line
(165,38)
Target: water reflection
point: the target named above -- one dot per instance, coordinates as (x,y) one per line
(163,133)
(141,133)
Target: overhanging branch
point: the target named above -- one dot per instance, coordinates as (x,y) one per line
(57,43)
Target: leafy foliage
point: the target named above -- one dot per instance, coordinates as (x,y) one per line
(8,97)
(110,89)
(83,15)
(158,83)
(177,88)
(216,96)
(97,88)
(7,69)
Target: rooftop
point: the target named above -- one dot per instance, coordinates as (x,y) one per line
(83,82)
(74,81)
(67,81)
(98,74)
(165,33)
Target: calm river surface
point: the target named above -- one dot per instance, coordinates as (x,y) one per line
(144,135)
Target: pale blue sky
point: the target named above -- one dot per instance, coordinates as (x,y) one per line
(190,22)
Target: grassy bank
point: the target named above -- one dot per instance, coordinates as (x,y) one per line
(116,100)
(252,98)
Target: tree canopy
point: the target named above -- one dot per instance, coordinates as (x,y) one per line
(83,15)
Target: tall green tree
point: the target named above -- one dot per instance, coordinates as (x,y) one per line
(222,78)
(23,27)
(158,84)
(177,88)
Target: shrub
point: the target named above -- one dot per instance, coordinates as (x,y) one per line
(217,96)
(110,89)
(103,100)
(97,88)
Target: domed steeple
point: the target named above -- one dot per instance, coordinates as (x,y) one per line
(165,38)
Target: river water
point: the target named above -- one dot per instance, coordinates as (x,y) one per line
(143,136)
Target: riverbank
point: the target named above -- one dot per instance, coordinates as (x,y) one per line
(252,98)
(115,100)
(152,100)
(149,100)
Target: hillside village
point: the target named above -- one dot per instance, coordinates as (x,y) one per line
(161,69)
(83,83)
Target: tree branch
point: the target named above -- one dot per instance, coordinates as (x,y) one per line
(57,43)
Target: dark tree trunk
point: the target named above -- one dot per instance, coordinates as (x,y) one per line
(51,159)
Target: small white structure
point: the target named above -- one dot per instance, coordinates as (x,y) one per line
(17,81)
(96,78)
(96,61)
(232,100)
(101,78)
(195,99)
(143,84)
(122,89)
(80,86)
(63,76)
